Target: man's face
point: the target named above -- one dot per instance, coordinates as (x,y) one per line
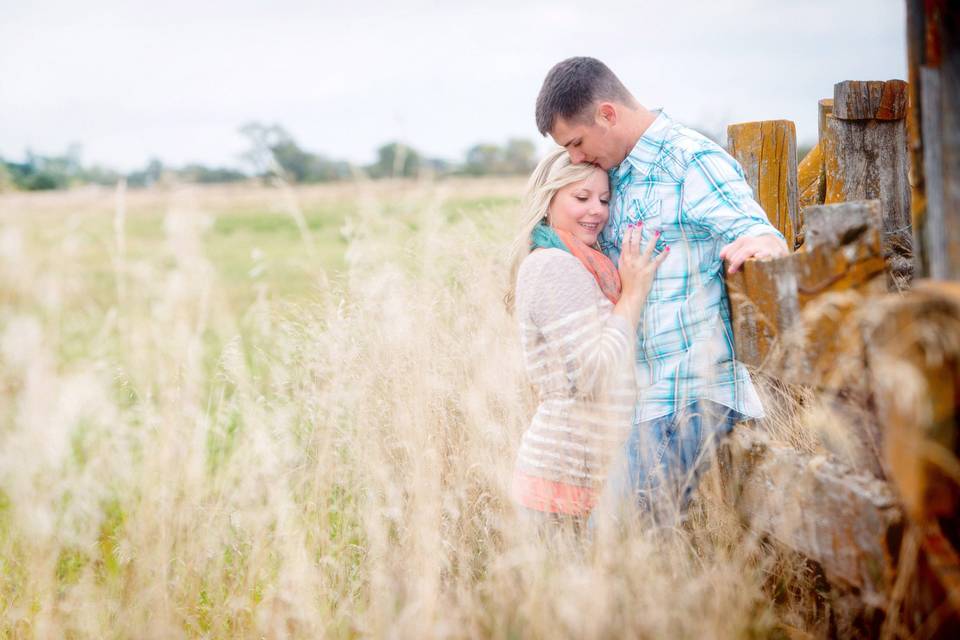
(591,141)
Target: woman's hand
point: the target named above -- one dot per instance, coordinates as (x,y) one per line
(637,270)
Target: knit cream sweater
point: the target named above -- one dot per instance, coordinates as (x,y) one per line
(580,358)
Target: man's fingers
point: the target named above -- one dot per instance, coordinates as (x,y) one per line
(742,249)
(738,258)
(735,261)
(729,249)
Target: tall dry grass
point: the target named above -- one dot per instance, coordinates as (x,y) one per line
(331,466)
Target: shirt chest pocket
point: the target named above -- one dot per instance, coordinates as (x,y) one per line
(645,211)
(650,213)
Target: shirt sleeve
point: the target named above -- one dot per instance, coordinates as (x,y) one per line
(716,196)
(594,349)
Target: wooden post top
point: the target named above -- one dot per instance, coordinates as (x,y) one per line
(870,100)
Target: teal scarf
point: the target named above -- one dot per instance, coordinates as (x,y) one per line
(543,237)
(599,265)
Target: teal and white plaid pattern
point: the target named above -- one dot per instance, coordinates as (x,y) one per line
(686,186)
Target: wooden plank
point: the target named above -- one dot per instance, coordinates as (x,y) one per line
(765,307)
(913,360)
(933,39)
(845,521)
(936,240)
(870,100)
(808,178)
(916,46)
(824,109)
(837,225)
(811,172)
(950,130)
(866,159)
(776,324)
(767,151)
(950,110)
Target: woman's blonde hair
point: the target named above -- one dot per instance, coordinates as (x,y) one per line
(553,173)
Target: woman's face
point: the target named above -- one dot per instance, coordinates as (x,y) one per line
(582,208)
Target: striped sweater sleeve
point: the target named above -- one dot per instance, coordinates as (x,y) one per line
(563,301)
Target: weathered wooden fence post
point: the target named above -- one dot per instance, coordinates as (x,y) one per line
(800,317)
(865,153)
(933,39)
(811,171)
(774,325)
(767,151)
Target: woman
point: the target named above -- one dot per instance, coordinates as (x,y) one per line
(578,320)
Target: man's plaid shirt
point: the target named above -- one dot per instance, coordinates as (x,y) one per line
(682,184)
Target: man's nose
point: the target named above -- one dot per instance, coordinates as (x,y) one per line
(576,157)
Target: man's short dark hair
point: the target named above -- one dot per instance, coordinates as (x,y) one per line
(572,86)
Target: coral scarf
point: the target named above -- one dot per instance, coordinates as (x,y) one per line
(599,265)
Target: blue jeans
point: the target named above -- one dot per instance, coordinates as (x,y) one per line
(664,458)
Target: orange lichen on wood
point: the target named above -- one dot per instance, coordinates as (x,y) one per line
(914,361)
(808,178)
(767,151)
(776,324)
(844,520)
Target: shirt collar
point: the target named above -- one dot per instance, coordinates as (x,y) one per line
(641,159)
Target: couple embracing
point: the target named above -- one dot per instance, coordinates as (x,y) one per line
(617,285)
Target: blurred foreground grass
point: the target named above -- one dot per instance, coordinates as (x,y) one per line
(252,412)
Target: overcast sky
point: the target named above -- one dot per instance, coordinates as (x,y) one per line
(175,79)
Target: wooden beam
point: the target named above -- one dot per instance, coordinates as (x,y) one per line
(913,361)
(867,158)
(916,56)
(811,172)
(949,138)
(808,179)
(785,312)
(847,522)
(871,100)
(824,109)
(933,42)
(767,151)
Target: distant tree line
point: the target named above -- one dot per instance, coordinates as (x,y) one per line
(272,152)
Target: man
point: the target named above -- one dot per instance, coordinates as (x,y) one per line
(687,193)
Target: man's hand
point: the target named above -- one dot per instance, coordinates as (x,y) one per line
(744,248)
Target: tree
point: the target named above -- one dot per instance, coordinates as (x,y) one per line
(273,151)
(395,160)
(520,156)
(263,139)
(148,176)
(208,175)
(484,159)
(6,179)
